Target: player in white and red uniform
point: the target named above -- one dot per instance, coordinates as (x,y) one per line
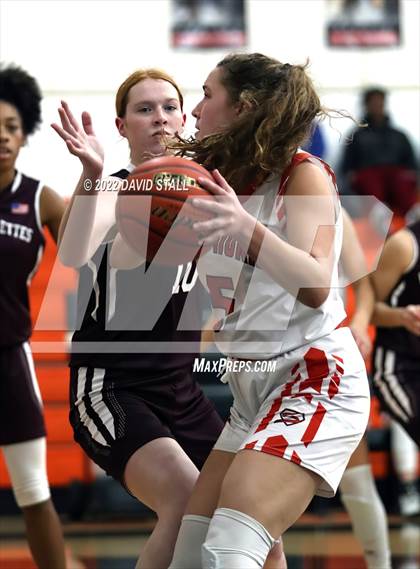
(310,350)
(261,319)
(273,270)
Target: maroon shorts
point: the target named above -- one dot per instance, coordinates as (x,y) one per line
(396,381)
(115,412)
(21,416)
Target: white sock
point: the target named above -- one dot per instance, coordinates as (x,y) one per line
(234,541)
(191,536)
(368,516)
(404,453)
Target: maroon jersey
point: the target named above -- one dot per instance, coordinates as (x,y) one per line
(406,291)
(111,310)
(21,246)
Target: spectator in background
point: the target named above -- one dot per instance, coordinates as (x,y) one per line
(380,160)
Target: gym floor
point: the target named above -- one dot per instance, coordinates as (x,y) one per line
(315,542)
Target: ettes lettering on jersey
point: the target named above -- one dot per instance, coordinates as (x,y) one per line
(16,230)
(281,207)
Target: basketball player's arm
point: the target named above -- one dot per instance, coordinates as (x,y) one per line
(302,264)
(207,334)
(308,253)
(122,256)
(51,208)
(80,192)
(355,269)
(85,222)
(396,258)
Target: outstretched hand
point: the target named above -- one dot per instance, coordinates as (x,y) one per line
(229,215)
(81,140)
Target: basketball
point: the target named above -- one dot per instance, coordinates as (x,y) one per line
(167,214)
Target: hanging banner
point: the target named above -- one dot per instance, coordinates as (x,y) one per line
(363,23)
(208,23)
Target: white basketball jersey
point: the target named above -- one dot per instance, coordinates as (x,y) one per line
(259,319)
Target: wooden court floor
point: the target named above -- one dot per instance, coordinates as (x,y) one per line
(315,542)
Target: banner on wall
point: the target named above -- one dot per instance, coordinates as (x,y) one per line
(363,23)
(208,23)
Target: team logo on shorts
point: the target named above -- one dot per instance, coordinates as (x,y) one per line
(290,417)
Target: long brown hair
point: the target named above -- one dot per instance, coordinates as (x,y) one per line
(281,104)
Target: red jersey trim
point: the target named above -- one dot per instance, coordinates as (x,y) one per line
(297,159)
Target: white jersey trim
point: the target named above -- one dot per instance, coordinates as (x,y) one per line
(415,252)
(29,359)
(37,263)
(37,207)
(16,182)
(95,286)
(396,294)
(112,291)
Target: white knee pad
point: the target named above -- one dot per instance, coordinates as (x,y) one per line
(26,463)
(191,536)
(234,541)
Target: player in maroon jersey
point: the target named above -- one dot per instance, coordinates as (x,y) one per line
(397,317)
(26,205)
(140,416)
(357,487)
(396,357)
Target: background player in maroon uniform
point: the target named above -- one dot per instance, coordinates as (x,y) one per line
(25,206)
(357,487)
(396,357)
(140,416)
